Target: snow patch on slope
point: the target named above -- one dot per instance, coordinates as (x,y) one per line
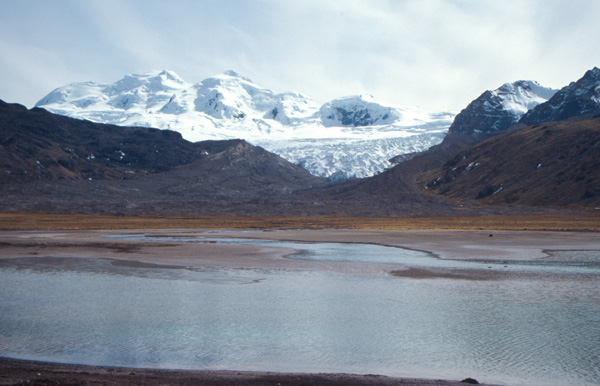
(521,96)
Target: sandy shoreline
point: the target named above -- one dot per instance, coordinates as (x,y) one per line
(496,245)
(22,372)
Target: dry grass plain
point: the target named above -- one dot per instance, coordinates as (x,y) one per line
(580,221)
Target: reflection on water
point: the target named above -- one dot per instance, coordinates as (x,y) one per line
(534,328)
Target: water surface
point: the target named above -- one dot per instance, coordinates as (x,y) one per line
(538,326)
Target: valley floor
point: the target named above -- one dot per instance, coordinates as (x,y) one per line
(564,220)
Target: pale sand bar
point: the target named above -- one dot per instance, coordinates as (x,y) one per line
(493,245)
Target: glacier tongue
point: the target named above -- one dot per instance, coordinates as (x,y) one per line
(347,137)
(342,158)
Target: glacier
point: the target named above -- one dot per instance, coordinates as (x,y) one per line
(349,137)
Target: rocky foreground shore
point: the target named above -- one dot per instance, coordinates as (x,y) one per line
(20,372)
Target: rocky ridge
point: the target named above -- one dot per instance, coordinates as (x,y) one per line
(578,99)
(494,111)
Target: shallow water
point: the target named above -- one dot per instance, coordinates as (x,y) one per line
(541,327)
(563,262)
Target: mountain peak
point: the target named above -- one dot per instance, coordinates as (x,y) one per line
(152,81)
(170,75)
(235,74)
(578,98)
(497,110)
(155,74)
(357,110)
(594,73)
(530,86)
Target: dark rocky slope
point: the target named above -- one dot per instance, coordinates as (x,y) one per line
(492,113)
(578,99)
(54,163)
(37,145)
(495,111)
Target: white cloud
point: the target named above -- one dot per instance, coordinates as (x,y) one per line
(433,53)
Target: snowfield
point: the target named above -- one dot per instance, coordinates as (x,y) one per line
(347,137)
(521,96)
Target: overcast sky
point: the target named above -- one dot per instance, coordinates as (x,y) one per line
(437,54)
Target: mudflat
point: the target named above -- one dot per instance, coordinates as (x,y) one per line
(167,246)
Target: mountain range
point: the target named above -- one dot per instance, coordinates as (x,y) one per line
(53,163)
(550,155)
(344,138)
(552,164)
(489,161)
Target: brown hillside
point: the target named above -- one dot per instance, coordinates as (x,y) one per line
(550,164)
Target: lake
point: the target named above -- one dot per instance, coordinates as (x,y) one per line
(534,323)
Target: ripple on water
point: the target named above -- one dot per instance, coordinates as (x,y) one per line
(539,327)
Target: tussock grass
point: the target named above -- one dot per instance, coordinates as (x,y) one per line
(583,221)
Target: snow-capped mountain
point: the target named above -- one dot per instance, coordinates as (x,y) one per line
(223,106)
(347,137)
(357,111)
(578,98)
(497,110)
